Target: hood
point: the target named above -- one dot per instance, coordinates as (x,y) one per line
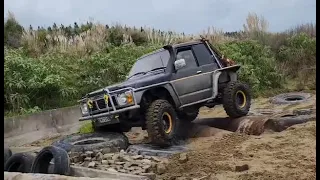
(139,81)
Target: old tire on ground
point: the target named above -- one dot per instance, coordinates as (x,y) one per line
(163,125)
(93,141)
(290,98)
(236,99)
(61,161)
(110,128)
(19,162)
(7,153)
(188,115)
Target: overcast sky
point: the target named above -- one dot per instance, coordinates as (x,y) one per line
(189,16)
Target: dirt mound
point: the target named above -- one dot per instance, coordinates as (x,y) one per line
(206,157)
(290,154)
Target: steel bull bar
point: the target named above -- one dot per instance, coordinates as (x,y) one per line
(111,96)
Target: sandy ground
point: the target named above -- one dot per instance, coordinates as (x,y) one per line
(290,154)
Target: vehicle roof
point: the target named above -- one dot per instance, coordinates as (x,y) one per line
(193,42)
(189,43)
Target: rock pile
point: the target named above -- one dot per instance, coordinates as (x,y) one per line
(120,162)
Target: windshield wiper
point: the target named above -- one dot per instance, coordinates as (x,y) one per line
(156,69)
(146,72)
(137,74)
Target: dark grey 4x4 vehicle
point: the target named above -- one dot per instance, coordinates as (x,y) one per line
(165,89)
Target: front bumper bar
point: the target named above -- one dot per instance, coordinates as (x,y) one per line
(110,110)
(109,113)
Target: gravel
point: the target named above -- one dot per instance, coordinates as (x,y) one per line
(120,162)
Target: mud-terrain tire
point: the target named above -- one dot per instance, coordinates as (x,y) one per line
(236,99)
(110,128)
(188,116)
(61,161)
(7,153)
(290,98)
(93,141)
(163,125)
(19,162)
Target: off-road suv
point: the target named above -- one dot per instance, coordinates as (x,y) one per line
(165,89)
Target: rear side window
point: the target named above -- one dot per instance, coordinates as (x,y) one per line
(203,54)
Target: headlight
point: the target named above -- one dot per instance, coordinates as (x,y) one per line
(84,109)
(125,98)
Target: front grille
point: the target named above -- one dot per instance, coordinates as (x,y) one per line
(94,106)
(99,105)
(114,100)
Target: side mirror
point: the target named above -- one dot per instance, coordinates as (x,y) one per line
(178,64)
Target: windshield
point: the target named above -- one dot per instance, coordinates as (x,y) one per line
(150,62)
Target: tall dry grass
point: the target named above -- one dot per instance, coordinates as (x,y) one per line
(99,37)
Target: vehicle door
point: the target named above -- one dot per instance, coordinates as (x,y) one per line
(207,64)
(187,81)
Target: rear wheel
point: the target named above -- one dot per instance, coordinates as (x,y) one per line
(163,125)
(236,99)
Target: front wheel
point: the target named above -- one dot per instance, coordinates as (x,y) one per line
(236,99)
(163,124)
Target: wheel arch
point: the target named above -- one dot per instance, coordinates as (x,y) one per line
(224,75)
(159,92)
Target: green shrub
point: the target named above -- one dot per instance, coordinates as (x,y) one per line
(298,53)
(298,60)
(258,64)
(29,82)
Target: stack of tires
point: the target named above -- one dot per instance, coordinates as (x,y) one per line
(54,159)
(41,163)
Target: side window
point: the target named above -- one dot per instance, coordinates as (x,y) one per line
(187,55)
(203,54)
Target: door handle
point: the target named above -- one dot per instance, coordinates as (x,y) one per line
(198,72)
